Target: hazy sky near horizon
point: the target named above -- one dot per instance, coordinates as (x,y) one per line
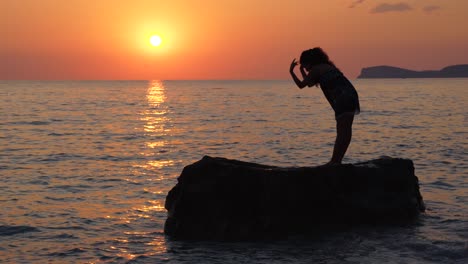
(223,39)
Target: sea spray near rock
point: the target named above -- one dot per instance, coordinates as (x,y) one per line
(218,198)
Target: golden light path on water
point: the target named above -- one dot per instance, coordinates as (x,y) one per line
(156,130)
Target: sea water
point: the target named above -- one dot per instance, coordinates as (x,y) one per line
(85,166)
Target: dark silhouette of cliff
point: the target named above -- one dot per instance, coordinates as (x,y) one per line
(455,71)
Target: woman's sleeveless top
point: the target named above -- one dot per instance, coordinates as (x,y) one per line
(339,92)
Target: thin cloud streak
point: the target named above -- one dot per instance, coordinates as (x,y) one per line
(431,8)
(356,3)
(386,7)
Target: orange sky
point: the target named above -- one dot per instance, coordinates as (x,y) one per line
(221,39)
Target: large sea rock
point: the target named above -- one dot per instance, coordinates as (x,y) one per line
(218,198)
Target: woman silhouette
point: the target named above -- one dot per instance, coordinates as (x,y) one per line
(317,69)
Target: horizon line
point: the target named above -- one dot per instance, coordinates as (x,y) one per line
(136,80)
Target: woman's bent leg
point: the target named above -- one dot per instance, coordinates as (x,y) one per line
(344,133)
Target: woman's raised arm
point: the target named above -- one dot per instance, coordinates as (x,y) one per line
(299,83)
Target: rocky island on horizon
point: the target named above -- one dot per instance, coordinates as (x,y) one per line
(454,71)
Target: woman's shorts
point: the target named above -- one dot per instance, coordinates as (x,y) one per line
(346,104)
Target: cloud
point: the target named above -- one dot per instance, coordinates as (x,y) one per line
(356,3)
(431,8)
(386,7)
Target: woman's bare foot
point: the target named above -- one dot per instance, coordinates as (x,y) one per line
(330,163)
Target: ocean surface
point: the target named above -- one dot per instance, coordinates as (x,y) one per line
(85,166)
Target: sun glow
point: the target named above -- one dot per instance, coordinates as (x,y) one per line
(155,40)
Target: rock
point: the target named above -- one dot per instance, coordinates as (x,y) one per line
(454,71)
(217,198)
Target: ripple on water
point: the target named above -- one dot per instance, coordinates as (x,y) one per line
(6,230)
(64,236)
(34,123)
(442,185)
(67,253)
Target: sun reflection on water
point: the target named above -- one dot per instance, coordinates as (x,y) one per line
(156,94)
(155,150)
(159,245)
(156,127)
(155,116)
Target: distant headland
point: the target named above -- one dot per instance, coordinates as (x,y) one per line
(454,71)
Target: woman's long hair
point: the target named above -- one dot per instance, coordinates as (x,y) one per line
(315,56)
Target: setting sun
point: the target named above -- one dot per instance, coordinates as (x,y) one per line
(155,40)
